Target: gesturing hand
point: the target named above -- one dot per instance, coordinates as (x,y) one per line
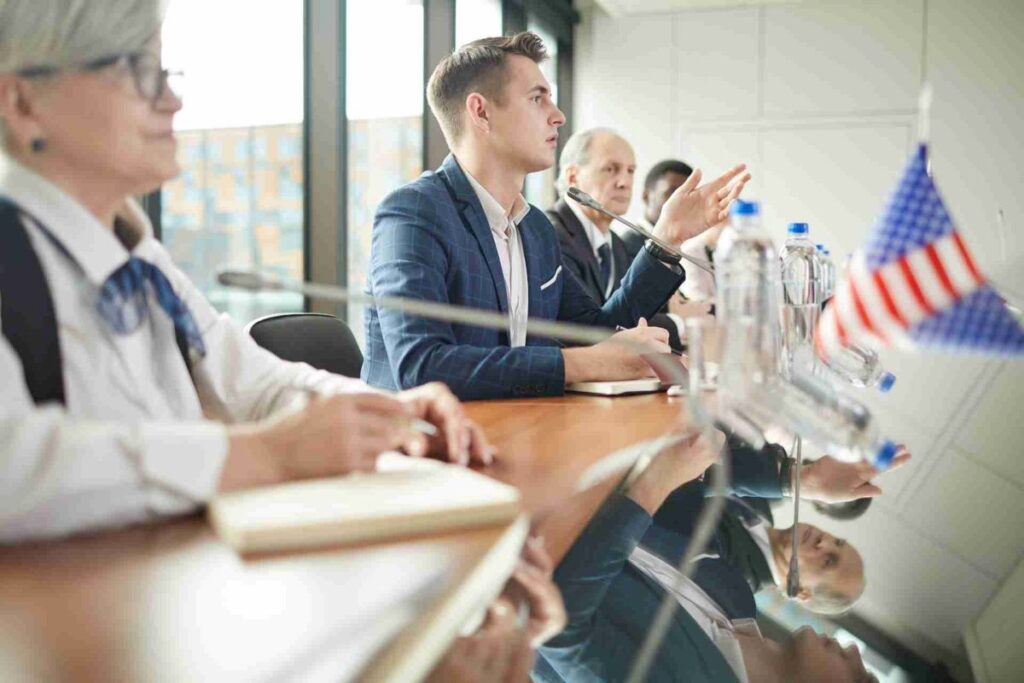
(832,481)
(691,209)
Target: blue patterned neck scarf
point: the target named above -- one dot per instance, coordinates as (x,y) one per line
(123,305)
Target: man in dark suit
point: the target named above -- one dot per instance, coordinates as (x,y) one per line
(747,553)
(601,163)
(611,600)
(464,235)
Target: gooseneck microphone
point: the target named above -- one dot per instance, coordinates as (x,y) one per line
(793,577)
(578,195)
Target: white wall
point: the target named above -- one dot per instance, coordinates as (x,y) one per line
(820,99)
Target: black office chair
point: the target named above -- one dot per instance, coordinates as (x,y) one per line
(322,340)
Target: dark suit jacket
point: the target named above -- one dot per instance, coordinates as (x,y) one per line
(728,585)
(610,604)
(633,242)
(431,241)
(578,257)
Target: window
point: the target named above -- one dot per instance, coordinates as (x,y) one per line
(540,187)
(239,198)
(475,19)
(384,102)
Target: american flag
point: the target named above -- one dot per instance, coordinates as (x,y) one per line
(915,283)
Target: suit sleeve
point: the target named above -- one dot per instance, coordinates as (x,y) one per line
(645,288)
(591,643)
(409,259)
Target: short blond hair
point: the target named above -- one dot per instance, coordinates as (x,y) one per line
(480,67)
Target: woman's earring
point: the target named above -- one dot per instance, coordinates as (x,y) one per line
(38,145)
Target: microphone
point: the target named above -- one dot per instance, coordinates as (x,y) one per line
(578,195)
(793,578)
(572,332)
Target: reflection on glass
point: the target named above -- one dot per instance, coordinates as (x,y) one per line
(238,200)
(475,19)
(384,96)
(788,616)
(540,187)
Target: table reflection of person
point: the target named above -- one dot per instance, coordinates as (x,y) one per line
(611,603)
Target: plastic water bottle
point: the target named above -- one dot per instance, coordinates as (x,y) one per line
(746,302)
(828,274)
(815,409)
(802,295)
(860,367)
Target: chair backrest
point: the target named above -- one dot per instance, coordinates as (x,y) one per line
(322,340)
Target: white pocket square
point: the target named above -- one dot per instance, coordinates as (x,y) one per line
(552,280)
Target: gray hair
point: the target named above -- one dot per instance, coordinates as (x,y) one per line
(63,33)
(577,153)
(833,603)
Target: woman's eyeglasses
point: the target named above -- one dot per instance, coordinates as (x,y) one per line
(151,79)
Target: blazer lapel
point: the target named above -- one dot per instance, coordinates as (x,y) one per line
(581,244)
(472,213)
(532,240)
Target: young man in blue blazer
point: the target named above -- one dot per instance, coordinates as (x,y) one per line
(464,234)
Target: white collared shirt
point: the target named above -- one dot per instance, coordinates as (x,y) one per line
(138,438)
(699,605)
(597,240)
(505,229)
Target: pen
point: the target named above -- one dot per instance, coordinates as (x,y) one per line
(423,427)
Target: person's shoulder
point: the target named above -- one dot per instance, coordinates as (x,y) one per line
(428,189)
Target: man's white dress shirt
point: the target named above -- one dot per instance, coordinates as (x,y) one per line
(138,438)
(505,230)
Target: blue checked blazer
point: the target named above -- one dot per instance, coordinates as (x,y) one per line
(431,241)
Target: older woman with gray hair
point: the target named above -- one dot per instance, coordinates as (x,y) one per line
(125,396)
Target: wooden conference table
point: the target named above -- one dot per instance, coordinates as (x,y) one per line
(169,602)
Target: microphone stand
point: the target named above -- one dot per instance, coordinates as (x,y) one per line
(793,579)
(578,195)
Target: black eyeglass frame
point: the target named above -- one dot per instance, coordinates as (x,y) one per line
(132,59)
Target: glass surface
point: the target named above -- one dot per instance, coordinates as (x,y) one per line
(540,187)
(385,112)
(238,201)
(475,19)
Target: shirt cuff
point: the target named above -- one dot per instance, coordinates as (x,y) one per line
(182,460)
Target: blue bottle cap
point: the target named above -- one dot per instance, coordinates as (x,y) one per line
(798,229)
(886,381)
(886,452)
(820,247)
(742,208)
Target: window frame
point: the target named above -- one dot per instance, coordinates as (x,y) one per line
(325,127)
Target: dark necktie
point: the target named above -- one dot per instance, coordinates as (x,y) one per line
(123,305)
(604,258)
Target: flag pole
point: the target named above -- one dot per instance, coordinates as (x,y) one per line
(924,120)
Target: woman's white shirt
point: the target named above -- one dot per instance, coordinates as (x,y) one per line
(138,438)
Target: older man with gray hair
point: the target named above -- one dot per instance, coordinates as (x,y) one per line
(601,163)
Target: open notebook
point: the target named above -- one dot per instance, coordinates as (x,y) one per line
(404,497)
